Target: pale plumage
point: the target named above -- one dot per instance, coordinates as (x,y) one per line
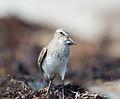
(53,58)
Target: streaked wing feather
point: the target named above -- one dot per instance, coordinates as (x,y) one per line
(42,57)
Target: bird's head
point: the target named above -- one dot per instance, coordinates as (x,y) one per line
(63,36)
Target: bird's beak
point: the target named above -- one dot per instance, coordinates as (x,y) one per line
(71,42)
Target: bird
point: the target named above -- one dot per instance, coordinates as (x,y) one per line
(53,58)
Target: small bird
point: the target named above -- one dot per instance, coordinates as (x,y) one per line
(53,58)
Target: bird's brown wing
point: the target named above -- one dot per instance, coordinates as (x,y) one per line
(42,57)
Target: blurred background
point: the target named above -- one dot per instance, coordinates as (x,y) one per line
(26,26)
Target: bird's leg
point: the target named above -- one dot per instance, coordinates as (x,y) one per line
(49,87)
(63,88)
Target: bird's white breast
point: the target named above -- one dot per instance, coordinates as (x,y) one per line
(55,63)
(56,60)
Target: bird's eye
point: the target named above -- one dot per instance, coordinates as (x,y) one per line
(61,32)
